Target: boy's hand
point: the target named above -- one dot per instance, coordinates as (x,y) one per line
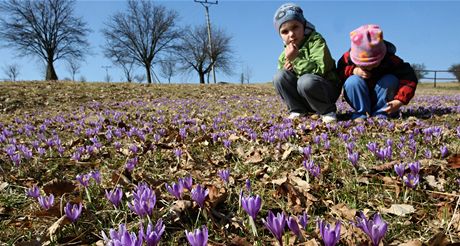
(288,66)
(291,51)
(365,74)
(393,106)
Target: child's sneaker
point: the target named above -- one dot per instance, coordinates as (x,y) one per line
(329,117)
(294,115)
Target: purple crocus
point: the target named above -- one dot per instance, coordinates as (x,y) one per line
(444,151)
(330,236)
(187,182)
(375,228)
(199,194)
(153,234)
(303,220)
(175,189)
(224,175)
(294,226)
(275,225)
(114,196)
(73,211)
(144,200)
(83,179)
(33,192)
(399,169)
(197,237)
(96,175)
(251,205)
(46,202)
(414,167)
(353,158)
(248,185)
(131,163)
(411,180)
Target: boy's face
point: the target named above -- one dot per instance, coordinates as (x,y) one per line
(293,32)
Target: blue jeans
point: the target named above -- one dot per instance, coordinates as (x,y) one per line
(359,96)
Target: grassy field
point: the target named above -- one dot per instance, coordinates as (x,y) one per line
(79,141)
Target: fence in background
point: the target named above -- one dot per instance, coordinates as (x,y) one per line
(438,75)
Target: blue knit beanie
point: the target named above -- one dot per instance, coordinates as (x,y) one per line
(290,11)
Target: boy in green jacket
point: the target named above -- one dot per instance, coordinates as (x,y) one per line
(306,80)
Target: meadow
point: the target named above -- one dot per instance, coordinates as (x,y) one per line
(131,164)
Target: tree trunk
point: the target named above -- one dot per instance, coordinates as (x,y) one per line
(50,72)
(201,78)
(149,75)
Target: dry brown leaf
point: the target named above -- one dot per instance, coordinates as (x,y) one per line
(385,166)
(412,243)
(454,161)
(287,152)
(55,226)
(216,195)
(254,157)
(239,241)
(439,184)
(440,239)
(342,211)
(398,209)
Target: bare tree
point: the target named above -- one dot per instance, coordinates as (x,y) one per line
(141,33)
(168,69)
(11,71)
(420,70)
(192,51)
(247,73)
(73,67)
(455,70)
(43,28)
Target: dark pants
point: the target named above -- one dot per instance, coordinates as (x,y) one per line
(308,94)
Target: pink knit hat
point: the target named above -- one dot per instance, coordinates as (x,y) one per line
(367,46)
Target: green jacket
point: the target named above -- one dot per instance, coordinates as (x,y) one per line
(314,58)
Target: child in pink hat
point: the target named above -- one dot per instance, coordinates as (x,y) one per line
(376,81)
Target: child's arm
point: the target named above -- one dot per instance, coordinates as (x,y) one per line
(407,79)
(345,67)
(314,58)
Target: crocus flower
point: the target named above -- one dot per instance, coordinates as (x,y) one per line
(131,163)
(248,185)
(199,194)
(399,169)
(411,180)
(175,189)
(303,220)
(414,167)
(251,205)
(73,211)
(224,175)
(330,236)
(294,226)
(444,151)
(428,154)
(153,234)
(197,237)
(375,228)
(353,158)
(144,200)
(83,179)
(114,196)
(307,151)
(187,182)
(33,192)
(46,202)
(276,225)
(96,175)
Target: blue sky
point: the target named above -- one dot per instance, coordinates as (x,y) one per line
(423,32)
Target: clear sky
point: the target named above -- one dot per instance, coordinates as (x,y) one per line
(423,31)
